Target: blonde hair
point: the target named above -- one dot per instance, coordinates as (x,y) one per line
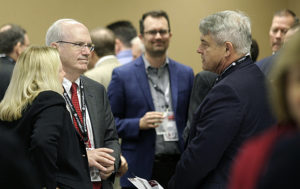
(36,70)
(288,58)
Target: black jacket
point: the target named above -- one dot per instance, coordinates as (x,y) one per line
(52,143)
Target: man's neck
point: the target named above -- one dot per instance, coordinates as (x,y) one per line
(13,56)
(72,77)
(156,62)
(228,62)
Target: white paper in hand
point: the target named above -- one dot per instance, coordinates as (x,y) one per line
(141,183)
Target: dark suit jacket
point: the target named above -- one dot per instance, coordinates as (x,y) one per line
(102,120)
(235,109)
(130,98)
(6,68)
(203,82)
(266,64)
(52,143)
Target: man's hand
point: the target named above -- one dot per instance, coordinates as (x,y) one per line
(123,168)
(151,120)
(102,160)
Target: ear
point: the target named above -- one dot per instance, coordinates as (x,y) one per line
(18,48)
(54,45)
(228,49)
(118,46)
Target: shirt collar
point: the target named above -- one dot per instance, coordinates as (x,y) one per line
(147,64)
(68,84)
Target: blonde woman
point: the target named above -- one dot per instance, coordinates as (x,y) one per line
(253,165)
(33,107)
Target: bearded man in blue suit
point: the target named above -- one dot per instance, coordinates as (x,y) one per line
(147,95)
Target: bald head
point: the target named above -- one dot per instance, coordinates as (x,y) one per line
(58,31)
(104,41)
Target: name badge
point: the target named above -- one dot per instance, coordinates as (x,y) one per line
(168,127)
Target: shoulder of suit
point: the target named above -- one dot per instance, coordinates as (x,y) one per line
(87,83)
(48,98)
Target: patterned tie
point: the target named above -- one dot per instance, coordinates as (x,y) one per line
(75,103)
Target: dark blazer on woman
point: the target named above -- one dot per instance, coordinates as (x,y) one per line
(52,143)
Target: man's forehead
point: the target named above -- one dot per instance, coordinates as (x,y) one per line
(76,32)
(283,21)
(155,21)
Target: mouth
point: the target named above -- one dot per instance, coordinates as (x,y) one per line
(83,60)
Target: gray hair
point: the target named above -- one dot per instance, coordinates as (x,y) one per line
(55,31)
(229,26)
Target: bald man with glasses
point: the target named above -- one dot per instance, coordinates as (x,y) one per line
(87,101)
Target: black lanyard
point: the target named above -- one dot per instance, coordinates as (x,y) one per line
(82,126)
(158,89)
(233,64)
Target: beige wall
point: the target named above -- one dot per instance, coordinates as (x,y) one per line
(37,15)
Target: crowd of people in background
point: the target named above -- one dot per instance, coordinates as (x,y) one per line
(93,108)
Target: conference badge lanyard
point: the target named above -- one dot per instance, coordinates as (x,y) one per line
(82,126)
(168,126)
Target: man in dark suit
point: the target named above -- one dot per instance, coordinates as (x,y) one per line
(94,120)
(234,109)
(282,21)
(13,41)
(140,92)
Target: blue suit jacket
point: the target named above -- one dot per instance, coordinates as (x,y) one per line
(234,109)
(130,97)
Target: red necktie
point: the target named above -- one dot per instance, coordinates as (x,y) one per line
(75,103)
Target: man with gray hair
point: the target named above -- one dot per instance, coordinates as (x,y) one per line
(87,101)
(234,109)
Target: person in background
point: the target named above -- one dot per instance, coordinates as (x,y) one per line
(103,57)
(260,155)
(282,21)
(254,50)
(233,110)
(145,92)
(87,101)
(124,32)
(137,47)
(34,109)
(13,41)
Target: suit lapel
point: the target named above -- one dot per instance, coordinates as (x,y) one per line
(142,80)
(91,106)
(173,83)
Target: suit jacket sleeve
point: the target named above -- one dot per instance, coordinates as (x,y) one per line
(215,125)
(127,127)
(111,139)
(46,133)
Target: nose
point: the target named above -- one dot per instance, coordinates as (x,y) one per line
(199,50)
(157,35)
(86,50)
(278,34)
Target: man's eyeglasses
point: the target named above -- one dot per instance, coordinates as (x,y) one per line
(79,45)
(154,32)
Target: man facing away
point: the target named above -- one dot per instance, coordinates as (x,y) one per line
(124,32)
(86,100)
(233,110)
(149,99)
(13,41)
(103,57)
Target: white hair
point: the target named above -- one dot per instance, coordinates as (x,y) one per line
(229,26)
(137,40)
(55,32)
